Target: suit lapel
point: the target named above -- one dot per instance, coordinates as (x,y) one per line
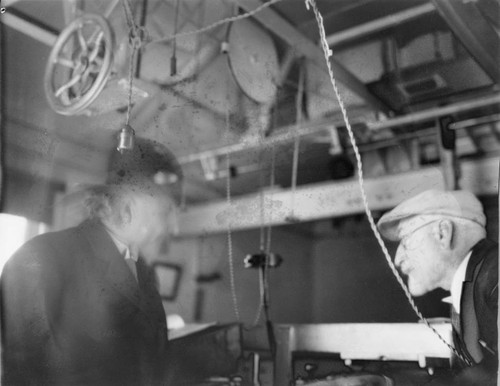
(469,324)
(150,298)
(111,265)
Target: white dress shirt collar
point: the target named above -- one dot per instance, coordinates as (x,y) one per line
(457,282)
(122,247)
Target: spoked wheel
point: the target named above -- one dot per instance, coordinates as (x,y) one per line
(79,64)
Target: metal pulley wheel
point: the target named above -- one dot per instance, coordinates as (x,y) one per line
(79,64)
(253,60)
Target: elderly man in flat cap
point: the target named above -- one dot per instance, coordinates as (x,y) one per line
(442,244)
(80,306)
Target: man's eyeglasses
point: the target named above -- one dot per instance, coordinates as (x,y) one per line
(405,240)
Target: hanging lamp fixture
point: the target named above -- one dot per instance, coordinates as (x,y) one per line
(126,136)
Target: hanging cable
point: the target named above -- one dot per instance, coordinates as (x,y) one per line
(327,53)
(271,185)
(230,243)
(296,145)
(130,81)
(229,230)
(218,23)
(126,136)
(262,245)
(265,272)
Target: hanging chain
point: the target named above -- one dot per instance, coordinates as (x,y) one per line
(130,80)
(135,42)
(327,53)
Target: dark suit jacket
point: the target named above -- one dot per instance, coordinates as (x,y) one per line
(73,314)
(478,317)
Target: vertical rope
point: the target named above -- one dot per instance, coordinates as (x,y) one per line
(261,206)
(271,184)
(230,241)
(229,230)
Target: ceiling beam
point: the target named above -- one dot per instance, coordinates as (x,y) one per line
(315,127)
(27,27)
(305,47)
(332,199)
(379,24)
(474,31)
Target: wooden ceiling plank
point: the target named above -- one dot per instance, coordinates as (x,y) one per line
(331,199)
(474,32)
(304,46)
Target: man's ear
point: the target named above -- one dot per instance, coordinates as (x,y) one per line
(127,212)
(444,233)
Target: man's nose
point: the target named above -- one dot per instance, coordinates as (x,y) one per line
(400,255)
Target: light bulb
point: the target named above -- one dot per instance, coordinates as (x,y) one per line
(126,139)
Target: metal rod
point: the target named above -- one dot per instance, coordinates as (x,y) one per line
(434,113)
(288,133)
(110,8)
(396,140)
(379,24)
(474,122)
(284,136)
(19,24)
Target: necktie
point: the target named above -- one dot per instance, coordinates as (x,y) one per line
(131,264)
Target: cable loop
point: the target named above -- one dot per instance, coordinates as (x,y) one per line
(137,36)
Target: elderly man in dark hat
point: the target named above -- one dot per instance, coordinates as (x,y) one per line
(80,306)
(442,244)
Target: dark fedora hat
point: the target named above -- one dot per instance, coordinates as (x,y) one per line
(148,164)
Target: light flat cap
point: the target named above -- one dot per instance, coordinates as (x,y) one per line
(457,204)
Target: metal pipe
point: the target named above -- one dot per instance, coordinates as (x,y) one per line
(288,133)
(474,122)
(110,8)
(394,141)
(379,24)
(38,33)
(434,113)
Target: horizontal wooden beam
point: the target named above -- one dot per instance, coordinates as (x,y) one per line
(327,200)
